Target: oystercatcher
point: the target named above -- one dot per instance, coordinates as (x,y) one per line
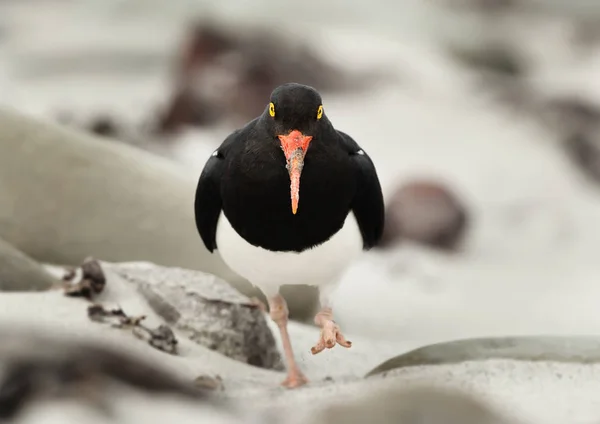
(288,199)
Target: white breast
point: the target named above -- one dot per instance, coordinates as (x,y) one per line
(319,266)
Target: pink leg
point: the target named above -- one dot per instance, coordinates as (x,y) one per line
(330,332)
(279,313)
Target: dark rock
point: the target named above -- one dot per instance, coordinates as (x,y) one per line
(487,7)
(585,152)
(92,271)
(569,114)
(497,60)
(104,126)
(18,272)
(249,63)
(92,280)
(187,109)
(74,368)
(425,212)
(559,349)
(413,405)
(203,42)
(161,338)
(577,124)
(207,310)
(70,274)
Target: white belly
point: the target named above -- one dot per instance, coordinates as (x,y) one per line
(319,266)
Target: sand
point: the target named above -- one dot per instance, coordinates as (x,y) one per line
(528,390)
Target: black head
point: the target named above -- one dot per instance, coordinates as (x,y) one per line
(295,116)
(295,107)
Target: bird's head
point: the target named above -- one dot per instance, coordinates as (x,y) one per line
(295,116)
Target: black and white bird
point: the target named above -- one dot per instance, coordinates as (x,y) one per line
(288,199)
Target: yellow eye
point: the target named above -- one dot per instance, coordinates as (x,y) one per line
(320,112)
(272,110)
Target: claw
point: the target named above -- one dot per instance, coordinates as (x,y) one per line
(341,340)
(330,335)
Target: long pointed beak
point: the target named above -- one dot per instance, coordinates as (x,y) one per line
(294,147)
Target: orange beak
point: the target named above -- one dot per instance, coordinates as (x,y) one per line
(294,147)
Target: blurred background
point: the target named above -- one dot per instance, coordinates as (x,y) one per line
(481,116)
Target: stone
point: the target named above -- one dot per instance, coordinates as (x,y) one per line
(249,63)
(186,109)
(496,60)
(209,383)
(93,377)
(425,212)
(66,195)
(91,283)
(412,405)
(525,348)
(104,126)
(207,310)
(576,122)
(18,272)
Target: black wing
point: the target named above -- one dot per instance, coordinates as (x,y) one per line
(367,205)
(208,202)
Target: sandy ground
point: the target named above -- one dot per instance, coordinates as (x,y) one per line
(531,391)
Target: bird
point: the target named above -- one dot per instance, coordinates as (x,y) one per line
(288,199)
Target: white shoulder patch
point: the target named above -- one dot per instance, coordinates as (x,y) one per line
(215,153)
(360,152)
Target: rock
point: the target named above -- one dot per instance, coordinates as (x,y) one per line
(484,7)
(228,73)
(584,151)
(558,349)
(186,109)
(18,272)
(508,372)
(425,212)
(104,126)
(207,310)
(90,375)
(412,405)
(209,383)
(496,60)
(65,195)
(91,283)
(577,124)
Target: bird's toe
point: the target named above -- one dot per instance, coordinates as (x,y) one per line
(330,336)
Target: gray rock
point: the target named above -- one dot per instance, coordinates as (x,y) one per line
(83,374)
(18,272)
(66,195)
(426,212)
(576,122)
(207,310)
(414,405)
(498,60)
(559,349)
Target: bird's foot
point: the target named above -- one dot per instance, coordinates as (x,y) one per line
(330,333)
(294,379)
